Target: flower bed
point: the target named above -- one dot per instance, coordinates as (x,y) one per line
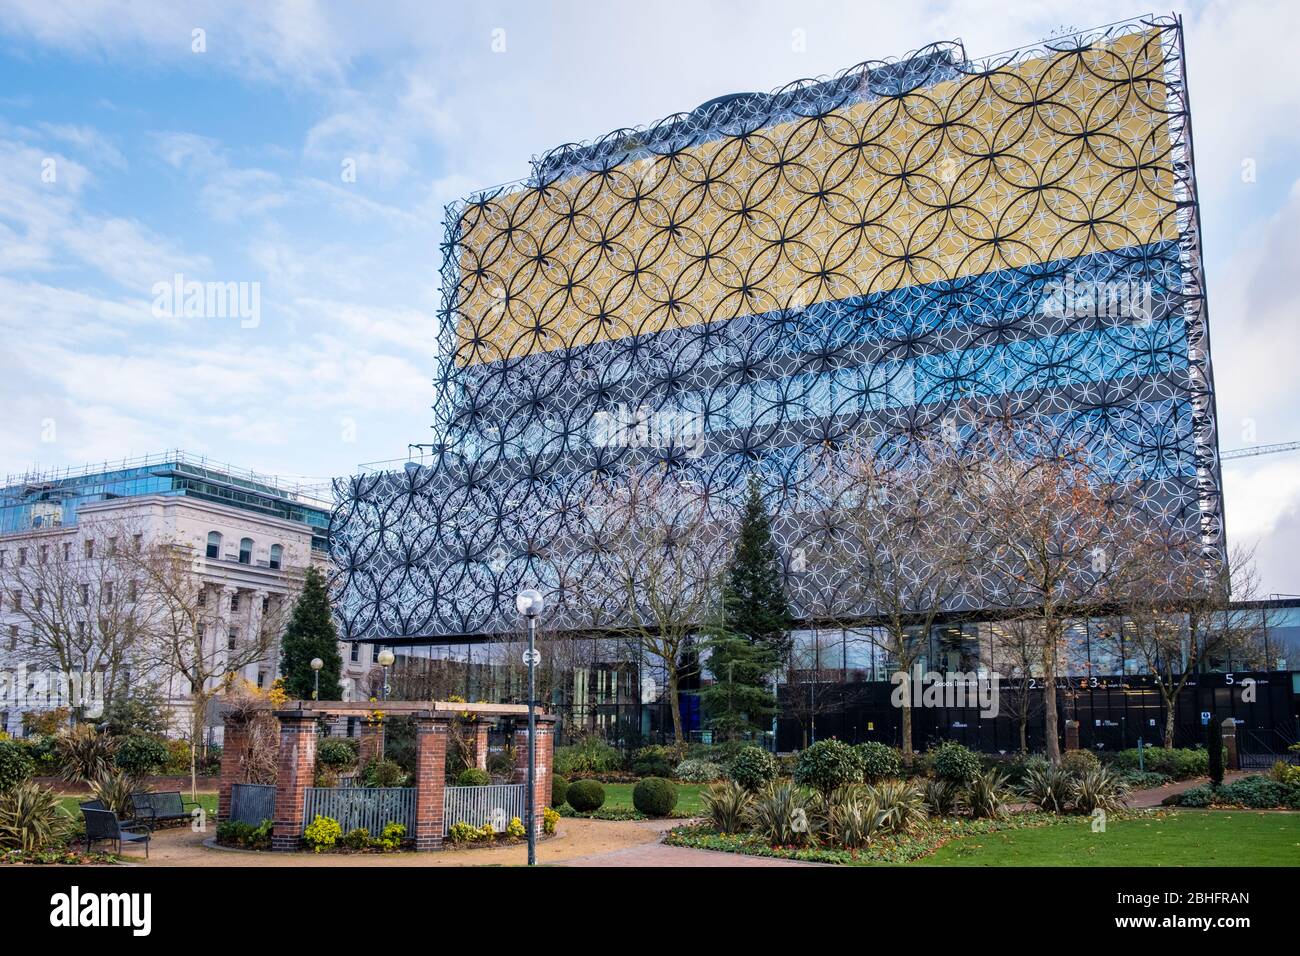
(464,836)
(901,848)
(897,848)
(58,856)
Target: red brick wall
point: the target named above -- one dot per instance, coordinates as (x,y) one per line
(234,741)
(371,742)
(545,751)
(296,771)
(430,780)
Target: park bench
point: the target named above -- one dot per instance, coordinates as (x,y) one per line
(155,808)
(103,825)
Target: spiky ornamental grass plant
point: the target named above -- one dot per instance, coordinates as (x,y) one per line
(987,795)
(84,753)
(31,818)
(1049,788)
(781,815)
(113,789)
(854,819)
(727,806)
(902,805)
(943,798)
(1098,789)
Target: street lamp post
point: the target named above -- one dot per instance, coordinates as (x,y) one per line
(529,603)
(316,665)
(385,661)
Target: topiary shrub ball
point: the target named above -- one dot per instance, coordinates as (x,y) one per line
(586,795)
(827,765)
(753,768)
(655,796)
(879,761)
(955,763)
(559,790)
(473,777)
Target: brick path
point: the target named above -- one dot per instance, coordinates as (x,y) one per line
(655,853)
(1152,798)
(579,843)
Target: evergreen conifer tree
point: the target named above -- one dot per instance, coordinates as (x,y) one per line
(311,633)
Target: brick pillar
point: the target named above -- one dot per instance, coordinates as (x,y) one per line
(1230,758)
(1071,735)
(234,743)
(296,769)
(430,780)
(478,738)
(371,742)
(545,748)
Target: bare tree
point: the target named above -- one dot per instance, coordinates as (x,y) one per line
(79,600)
(182,639)
(655,562)
(804,676)
(1180,614)
(1018,650)
(909,548)
(1053,536)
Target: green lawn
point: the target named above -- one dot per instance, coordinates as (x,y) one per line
(618,796)
(1188,838)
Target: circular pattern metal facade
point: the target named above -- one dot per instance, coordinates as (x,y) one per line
(910,244)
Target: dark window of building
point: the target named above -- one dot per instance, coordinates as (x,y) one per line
(214,544)
(277,554)
(245,550)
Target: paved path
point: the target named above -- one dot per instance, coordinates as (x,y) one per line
(1141,799)
(578,843)
(653,852)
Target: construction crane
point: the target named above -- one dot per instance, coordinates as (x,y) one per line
(1260,450)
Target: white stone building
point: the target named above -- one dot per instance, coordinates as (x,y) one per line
(250,537)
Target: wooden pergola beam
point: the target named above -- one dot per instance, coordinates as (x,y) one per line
(345,707)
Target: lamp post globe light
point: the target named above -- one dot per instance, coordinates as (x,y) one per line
(529,603)
(385,660)
(316,665)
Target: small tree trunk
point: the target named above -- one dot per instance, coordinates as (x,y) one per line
(1049,707)
(196,732)
(673,703)
(1170,721)
(1024,731)
(907,729)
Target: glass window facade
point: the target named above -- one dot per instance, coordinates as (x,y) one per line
(54,499)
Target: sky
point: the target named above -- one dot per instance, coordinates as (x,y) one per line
(304,152)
